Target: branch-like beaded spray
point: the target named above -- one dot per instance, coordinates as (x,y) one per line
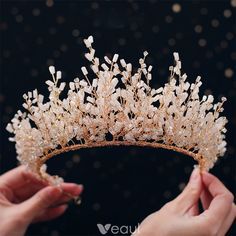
(121,103)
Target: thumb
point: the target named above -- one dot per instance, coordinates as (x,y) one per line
(191,193)
(40,201)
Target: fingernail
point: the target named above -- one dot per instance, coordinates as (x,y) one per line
(195,175)
(77,190)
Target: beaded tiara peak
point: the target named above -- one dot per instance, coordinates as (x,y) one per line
(120,103)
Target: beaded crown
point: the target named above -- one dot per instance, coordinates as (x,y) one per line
(119,102)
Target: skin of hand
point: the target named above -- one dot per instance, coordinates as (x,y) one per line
(25,199)
(181,217)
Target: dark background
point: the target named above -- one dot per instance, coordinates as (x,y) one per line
(122,185)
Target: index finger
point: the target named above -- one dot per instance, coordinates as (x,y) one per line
(18,177)
(221,203)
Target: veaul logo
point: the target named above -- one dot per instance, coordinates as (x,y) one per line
(103,228)
(115,229)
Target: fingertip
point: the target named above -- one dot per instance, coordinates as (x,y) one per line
(72,188)
(63,208)
(195,178)
(209,179)
(80,188)
(195,173)
(77,186)
(208,174)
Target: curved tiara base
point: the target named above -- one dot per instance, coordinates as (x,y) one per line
(197,157)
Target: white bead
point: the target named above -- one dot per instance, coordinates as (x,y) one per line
(84,70)
(107,60)
(58,74)
(83,83)
(41,97)
(114,82)
(49,83)
(72,86)
(25,105)
(76,80)
(129,67)
(90,99)
(95,83)
(88,56)
(30,94)
(159,90)
(123,63)
(35,93)
(149,68)
(94,68)
(176,56)
(52,70)
(105,67)
(184,77)
(90,39)
(9,128)
(115,58)
(149,77)
(87,43)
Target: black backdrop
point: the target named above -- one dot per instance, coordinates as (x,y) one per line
(122,185)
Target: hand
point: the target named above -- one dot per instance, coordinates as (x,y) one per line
(181,216)
(25,199)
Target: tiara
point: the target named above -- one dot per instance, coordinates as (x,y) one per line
(118,107)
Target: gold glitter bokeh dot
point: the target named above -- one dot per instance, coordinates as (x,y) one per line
(233,3)
(176,8)
(229,73)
